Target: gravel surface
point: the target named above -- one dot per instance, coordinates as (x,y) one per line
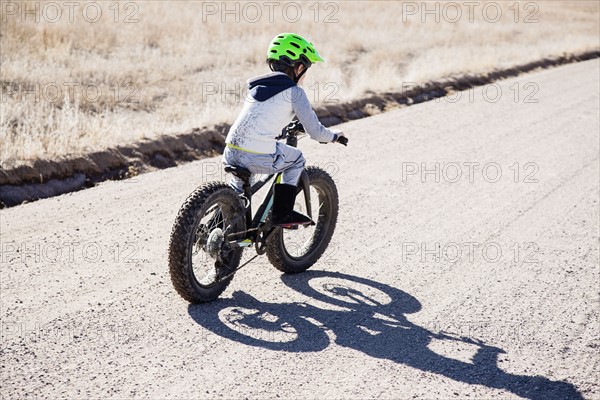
(464,264)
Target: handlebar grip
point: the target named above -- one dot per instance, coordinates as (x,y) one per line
(343,140)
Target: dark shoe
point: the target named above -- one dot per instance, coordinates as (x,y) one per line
(283,207)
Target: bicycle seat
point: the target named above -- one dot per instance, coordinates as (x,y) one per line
(240,172)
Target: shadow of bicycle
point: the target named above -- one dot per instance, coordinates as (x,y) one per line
(367,316)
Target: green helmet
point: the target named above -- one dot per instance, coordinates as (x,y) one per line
(292,49)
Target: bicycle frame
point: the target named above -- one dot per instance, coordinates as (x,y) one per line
(259,218)
(256,221)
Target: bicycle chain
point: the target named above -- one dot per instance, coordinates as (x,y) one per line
(243,232)
(253,258)
(237,269)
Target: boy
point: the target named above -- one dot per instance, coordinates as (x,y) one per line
(272,102)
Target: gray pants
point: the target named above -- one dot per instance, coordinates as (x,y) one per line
(286,158)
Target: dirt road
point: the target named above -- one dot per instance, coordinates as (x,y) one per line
(464,264)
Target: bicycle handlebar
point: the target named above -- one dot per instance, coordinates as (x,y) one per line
(295,127)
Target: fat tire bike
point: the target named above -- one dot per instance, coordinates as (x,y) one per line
(215,224)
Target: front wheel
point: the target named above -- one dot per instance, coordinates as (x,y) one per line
(293,251)
(201,263)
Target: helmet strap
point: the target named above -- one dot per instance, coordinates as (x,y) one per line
(297,77)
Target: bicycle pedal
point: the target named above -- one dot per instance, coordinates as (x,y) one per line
(297,226)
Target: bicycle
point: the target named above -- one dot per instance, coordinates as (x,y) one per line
(215,224)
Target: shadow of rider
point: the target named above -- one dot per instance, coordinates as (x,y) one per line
(358,320)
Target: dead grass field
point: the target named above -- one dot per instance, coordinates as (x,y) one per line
(86,81)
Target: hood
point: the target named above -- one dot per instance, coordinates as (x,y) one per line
(266,86)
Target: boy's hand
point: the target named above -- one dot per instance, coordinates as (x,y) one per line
(340,138)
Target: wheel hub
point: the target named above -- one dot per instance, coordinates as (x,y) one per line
(215,242)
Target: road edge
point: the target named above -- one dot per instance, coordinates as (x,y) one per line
(47,178)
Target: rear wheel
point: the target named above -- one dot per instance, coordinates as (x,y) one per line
(201,263)
(296,250)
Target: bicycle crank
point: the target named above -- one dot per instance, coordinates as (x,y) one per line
(262,238)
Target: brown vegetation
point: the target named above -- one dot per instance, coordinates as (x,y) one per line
(71,88)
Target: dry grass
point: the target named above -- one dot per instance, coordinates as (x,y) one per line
(170,56)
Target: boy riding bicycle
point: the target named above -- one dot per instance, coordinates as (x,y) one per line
(272,101)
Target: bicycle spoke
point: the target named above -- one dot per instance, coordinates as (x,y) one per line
(208,270)
(232,224)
